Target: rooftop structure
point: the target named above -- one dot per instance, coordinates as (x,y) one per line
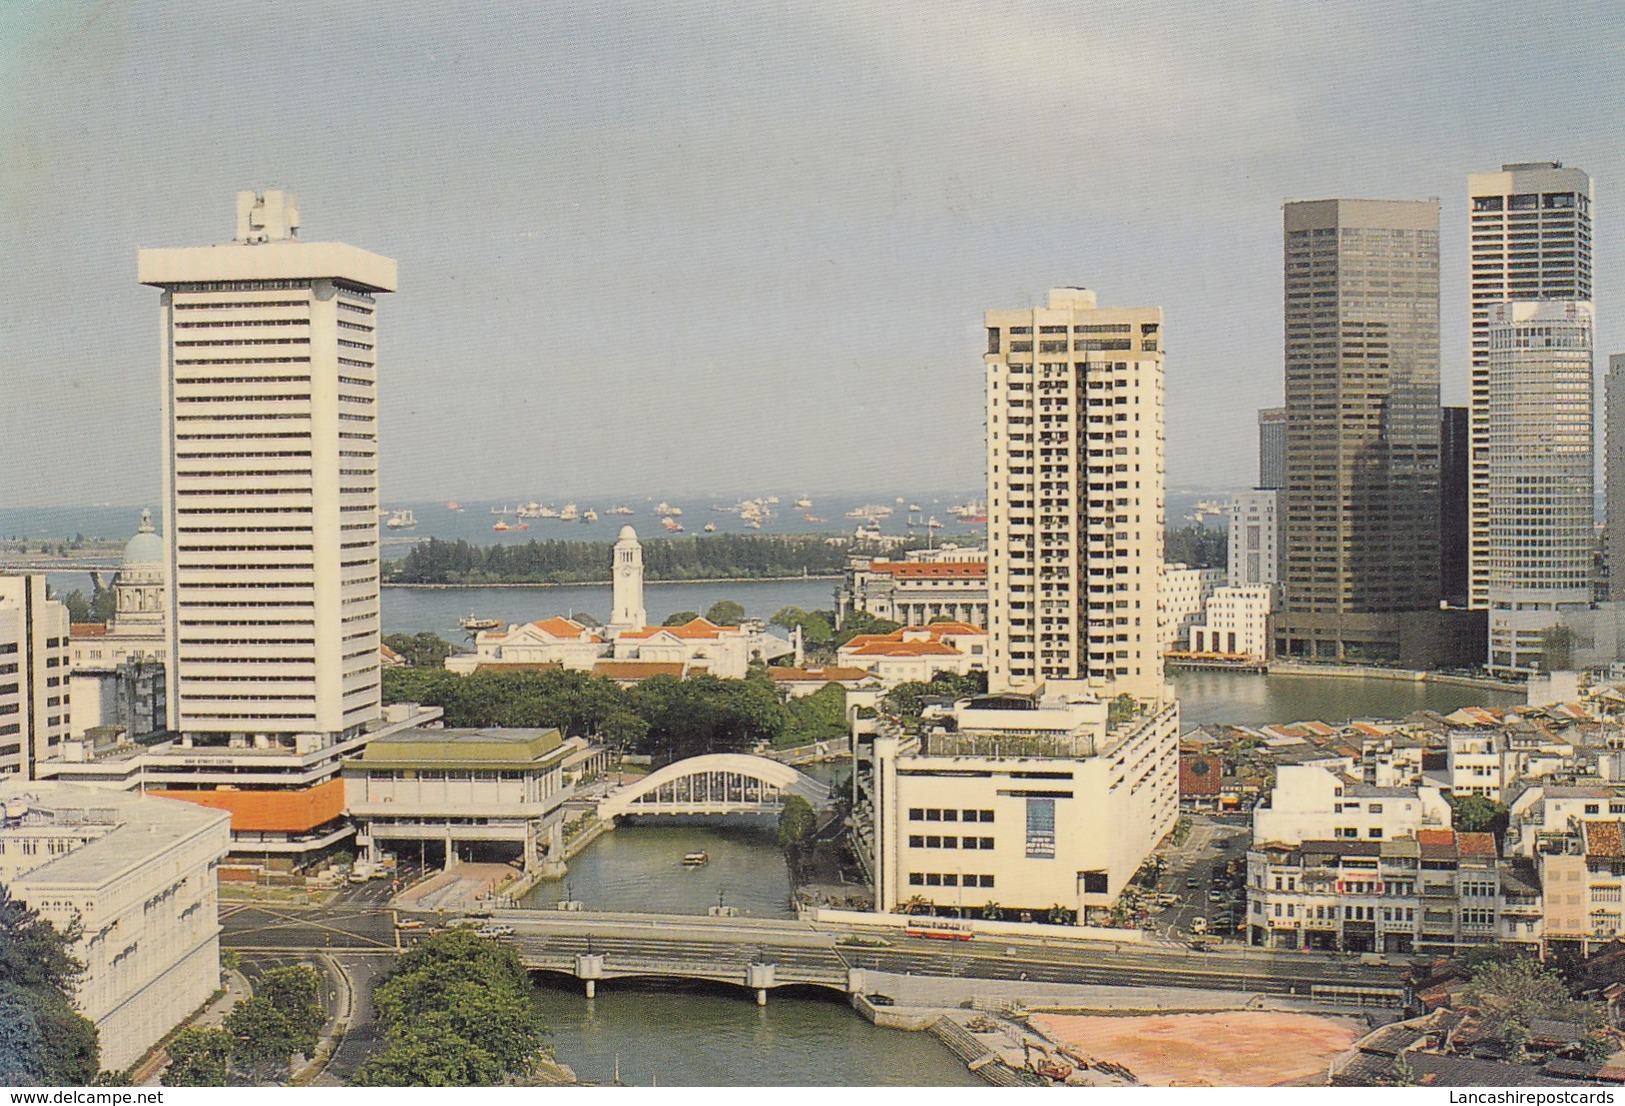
(136,875)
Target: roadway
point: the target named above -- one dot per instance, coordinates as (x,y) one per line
(555,938)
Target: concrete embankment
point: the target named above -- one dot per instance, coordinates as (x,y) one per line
(940,1004)
(1399,675)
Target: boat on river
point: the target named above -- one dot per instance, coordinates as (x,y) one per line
(473,625)
(696,860)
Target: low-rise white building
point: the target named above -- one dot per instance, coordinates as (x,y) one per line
(948,582)
(1184,592)
(475,794)
(918,652)
(726,651)
(1031,803)
(1236,621)
(550,642)
(136,874)
(1436,891)
(1310,803)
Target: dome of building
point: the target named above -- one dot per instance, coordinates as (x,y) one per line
(628,534)
(146,548)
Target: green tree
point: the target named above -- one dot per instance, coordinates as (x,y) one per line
(817,627)
(78,606)
(284,1016)
(421,650)
(198,1057)
(820,716)
(678,618)
(862,622)
(458,1010)
(43,1040)
(725,612)
(1121,709)
(1478,814)
(788,617)
(796,824)
(1509,994)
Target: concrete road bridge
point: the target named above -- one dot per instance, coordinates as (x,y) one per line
(763,954)
(719,783)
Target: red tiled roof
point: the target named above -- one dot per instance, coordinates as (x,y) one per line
(564,627)
(694,629)
(1602,839)
(940,570)
(87,629)
(637,670)
(901,649)
(1475,844)
(388,653)
(1200,774)
(519,666)
(934,633)
(791,675)
(1438,844)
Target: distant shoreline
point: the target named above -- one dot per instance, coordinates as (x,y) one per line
(604,583)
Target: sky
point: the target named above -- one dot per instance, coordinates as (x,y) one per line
(742,247)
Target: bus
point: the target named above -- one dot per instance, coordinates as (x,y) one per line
(941,929)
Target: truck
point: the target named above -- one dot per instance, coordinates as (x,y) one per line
(363,870)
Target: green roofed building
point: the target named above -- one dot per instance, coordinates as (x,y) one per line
(487,794)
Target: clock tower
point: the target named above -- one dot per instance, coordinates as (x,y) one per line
(628,576)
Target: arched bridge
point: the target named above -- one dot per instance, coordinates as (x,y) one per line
(720,783)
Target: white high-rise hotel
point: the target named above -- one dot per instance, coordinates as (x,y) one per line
(1531,241)
(1075,495)
(271,482)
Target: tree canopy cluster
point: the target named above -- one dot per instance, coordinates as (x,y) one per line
(717,556)
(1511,993)
(457,1011)
(1197,546)
(663,717)
(43,1040)
(425,649)
(98,608)
(260,1036)
(905,701)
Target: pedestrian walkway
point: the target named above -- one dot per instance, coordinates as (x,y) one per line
(458,888)
(235,989)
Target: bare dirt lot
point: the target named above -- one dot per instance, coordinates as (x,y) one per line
(1240,1048)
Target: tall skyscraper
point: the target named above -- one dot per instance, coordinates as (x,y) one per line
(1540,475)
(1075,494)
(1455,467)
(1271,448)
(271,498)
(1361,502)
(1531,241)
(33,675)
(1614,476)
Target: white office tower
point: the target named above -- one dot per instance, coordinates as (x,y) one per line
(271,481)
(1075,495)
(1614,476)
(1531,241)
(628,582)
(1255,549)
(1540,477)
(33,675)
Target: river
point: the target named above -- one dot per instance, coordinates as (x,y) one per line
(719,1037)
